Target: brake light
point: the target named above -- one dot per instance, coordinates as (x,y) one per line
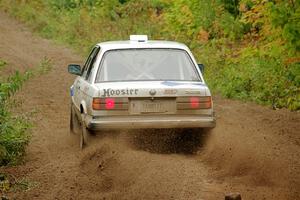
(200,102)
(194,101)
(109,103)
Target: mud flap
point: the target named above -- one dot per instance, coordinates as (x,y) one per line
(74,122)
(85,133)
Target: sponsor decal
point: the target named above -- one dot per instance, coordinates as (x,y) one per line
(110,92)
(192,92)
(72,91)
(174,83)
(170,91)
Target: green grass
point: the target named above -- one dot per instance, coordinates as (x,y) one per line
(14,130)
(9,183)
(2,63)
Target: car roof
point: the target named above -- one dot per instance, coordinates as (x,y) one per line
(145,44)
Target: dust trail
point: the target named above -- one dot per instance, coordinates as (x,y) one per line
(168,141)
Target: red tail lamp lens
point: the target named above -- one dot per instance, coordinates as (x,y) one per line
(200,102)
(194,102)
(208,104)
(109,103)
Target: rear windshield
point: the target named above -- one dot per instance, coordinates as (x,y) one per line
(146,64)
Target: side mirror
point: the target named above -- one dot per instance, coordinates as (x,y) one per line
(201,67)
(74,69)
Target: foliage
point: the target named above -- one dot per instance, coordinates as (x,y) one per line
(232,6)
(198,21)
(13,137)
(14,129)
(251,47)
(2,63)
(9,183)
(287,16)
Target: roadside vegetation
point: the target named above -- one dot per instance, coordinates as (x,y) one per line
(14,129)
(250,47)
(2,64)
(10,183)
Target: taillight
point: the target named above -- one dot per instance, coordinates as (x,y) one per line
(195,102)
(200,102)
(110,104)
(208,102)
(96,104)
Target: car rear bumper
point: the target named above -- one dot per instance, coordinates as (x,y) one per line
(135,122)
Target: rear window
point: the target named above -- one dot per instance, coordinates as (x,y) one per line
(146,64)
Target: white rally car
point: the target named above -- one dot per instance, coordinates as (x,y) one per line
(139,84)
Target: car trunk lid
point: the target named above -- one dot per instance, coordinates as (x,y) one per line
(152,97)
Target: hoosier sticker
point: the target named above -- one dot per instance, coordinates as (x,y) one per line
(110,92)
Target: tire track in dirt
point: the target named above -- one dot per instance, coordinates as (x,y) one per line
(253,150)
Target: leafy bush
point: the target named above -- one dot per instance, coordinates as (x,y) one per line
(13,136)
(14,129)
(287,16)
(232,6)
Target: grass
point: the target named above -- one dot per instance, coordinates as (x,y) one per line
(14,129)
(2,63)
(9,183)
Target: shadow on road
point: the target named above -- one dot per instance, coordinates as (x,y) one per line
(166,141)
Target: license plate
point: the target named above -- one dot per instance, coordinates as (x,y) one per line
(148,106)
(152,107)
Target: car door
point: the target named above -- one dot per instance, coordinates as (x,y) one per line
(79,82)
(85,81)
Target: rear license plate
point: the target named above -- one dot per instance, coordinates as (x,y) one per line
(151,107)
(148,106)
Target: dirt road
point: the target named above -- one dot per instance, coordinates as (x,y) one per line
(253,150)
